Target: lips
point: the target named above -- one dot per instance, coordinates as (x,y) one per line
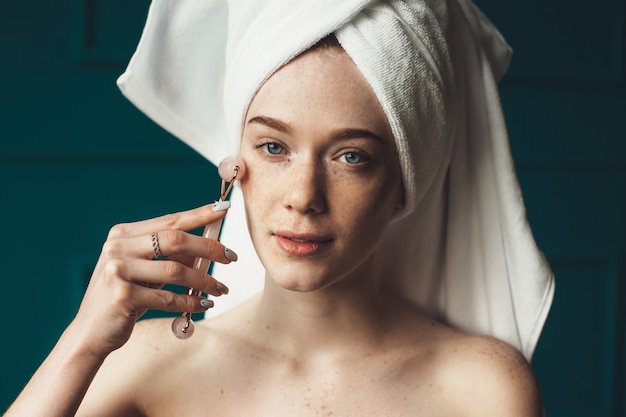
(295,244)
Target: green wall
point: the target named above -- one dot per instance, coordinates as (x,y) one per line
(76,158)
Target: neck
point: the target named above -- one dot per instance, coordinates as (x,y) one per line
(326,320)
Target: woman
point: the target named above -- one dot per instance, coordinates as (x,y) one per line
(368,185)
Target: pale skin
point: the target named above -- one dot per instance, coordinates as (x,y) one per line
(323,338)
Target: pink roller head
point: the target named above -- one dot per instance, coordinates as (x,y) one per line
(228,166)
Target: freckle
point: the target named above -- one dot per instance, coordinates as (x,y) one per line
(268,327)
(221,392)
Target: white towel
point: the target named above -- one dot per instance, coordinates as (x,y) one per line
(462,249)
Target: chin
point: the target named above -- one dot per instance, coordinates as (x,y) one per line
(298,278)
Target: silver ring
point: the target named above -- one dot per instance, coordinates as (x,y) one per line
(155,246)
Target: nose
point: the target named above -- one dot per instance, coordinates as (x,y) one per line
(305,188)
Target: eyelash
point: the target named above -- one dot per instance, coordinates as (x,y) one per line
(363,157)
(265,144)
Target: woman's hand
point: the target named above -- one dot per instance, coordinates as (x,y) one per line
(127,280)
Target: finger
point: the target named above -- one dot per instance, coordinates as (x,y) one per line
(150,274)
(165,300)
(189,261)
(172,244)
(184,220)
(183,259)
(178,243)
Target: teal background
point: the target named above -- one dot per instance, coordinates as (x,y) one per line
(76,158)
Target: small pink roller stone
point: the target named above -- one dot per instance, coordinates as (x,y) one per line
(183,327)
(231,167)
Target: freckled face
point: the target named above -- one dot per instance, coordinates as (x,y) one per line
(323,177)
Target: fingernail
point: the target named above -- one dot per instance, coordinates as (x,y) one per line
(221,288)
(206,303)
(230,255)
(221,205)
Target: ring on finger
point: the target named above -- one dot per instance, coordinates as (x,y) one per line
(155,245)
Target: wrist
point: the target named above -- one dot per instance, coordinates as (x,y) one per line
(80,343)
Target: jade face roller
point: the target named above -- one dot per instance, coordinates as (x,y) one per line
(230,169)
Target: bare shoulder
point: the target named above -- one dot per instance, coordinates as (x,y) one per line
(147,375)
(151,343)
(450,372)
(130,375)
(489,377)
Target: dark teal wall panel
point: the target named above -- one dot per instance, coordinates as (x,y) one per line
(572,209)
(105,33)
(582,325)
(563,40)
(566,127)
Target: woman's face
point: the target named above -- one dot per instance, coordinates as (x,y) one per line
(323,178)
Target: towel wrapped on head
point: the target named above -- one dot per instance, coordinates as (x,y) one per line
(461,250)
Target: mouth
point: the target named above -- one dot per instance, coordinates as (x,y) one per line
(296,244)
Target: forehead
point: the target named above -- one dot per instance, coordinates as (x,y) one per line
(323,84)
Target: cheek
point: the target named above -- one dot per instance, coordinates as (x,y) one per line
(375,191)
(366,217)
(366,205)
(252,190)
(259,188)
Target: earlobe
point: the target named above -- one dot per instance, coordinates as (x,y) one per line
(401,205)
(399,209)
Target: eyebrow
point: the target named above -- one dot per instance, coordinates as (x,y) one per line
(348,133)
(272,123)
(355,133)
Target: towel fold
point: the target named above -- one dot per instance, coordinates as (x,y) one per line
(462,249)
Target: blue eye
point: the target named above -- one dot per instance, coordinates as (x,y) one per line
(274,148)
(352,157)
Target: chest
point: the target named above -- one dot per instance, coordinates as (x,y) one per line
(349,390)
